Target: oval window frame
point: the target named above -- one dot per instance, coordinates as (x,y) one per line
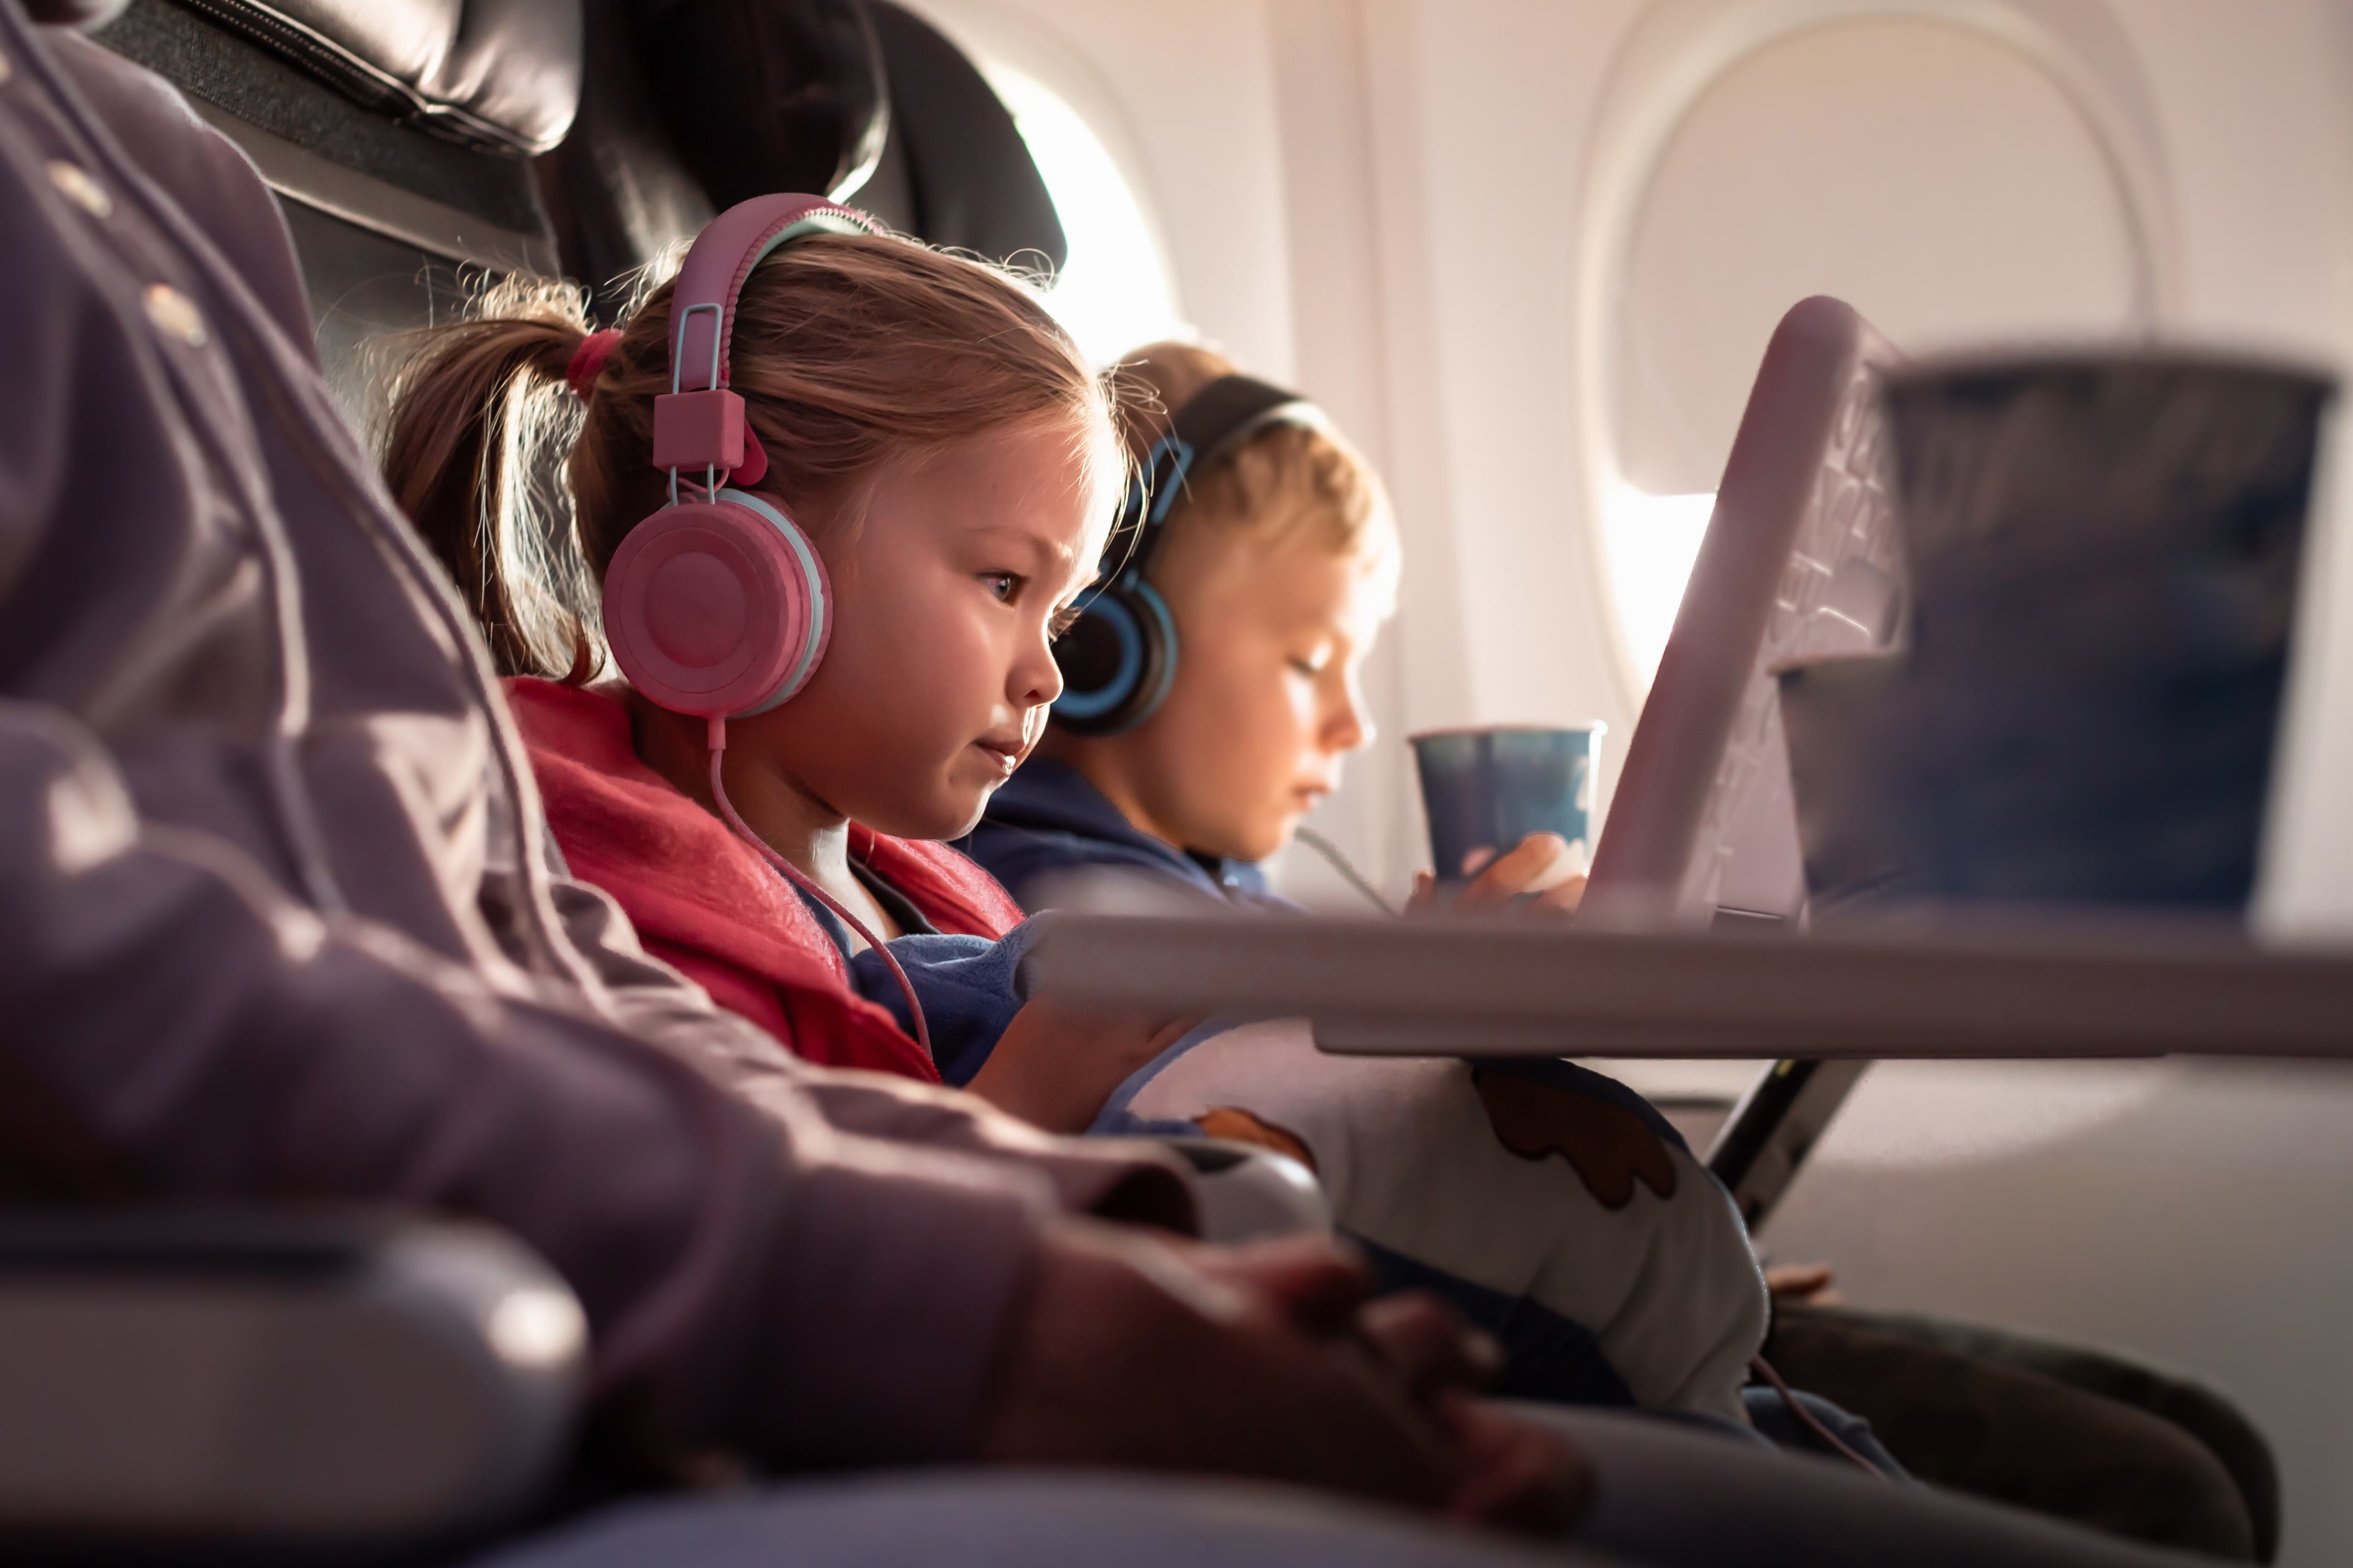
(1672,58)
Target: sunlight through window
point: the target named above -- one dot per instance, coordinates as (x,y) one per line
(1650,541)
(1114,293)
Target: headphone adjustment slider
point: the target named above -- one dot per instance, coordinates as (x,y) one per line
(699,430)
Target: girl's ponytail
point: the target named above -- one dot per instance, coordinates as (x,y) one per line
(474,408)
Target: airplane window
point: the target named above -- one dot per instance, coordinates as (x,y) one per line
(1114,293)
(1650,541)
(1941,181)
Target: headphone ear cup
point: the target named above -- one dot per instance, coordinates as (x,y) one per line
(718,608)
(1118,661)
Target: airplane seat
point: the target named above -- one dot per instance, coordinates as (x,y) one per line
(234,1385)
(683,105)
(411,141)
(398,135)
(1802,563)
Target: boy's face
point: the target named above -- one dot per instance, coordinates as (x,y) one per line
(936,682)
(1267,697)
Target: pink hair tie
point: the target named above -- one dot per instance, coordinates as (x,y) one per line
(588,361)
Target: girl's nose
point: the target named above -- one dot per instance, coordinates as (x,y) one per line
(1035,679)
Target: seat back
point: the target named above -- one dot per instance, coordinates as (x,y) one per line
(1801,559)
(273,1385)
(398,135)
(411,141)
(690,109)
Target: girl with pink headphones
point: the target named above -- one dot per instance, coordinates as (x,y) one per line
(828,497)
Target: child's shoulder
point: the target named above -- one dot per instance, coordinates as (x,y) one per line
(588,723)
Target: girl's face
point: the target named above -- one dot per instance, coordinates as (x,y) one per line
(936,682)
(1267,700)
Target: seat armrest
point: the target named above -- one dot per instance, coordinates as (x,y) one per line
(1247,1192)
(246,1384)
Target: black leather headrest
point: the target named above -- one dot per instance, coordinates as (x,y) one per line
(689,106)
(682,97)
(954,169)
(751,92)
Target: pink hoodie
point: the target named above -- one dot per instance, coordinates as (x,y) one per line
(705,903)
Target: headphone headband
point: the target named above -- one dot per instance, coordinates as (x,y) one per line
(712,278)
(1206,428)
(699,423)
(1119,660)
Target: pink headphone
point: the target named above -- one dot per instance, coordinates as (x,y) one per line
(717,604)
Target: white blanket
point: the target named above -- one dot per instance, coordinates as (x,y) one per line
(1542,1182)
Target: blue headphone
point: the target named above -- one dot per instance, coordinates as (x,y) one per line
(1119,658)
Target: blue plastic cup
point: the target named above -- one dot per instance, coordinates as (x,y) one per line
(1484,789)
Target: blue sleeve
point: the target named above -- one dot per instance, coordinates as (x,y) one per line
(1026,859)
(1017,857)
(967,985)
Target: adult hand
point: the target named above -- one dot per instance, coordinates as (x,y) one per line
(1541,869)
(1139,1354)
(1054,1066)
(1322,1290)
(1514,1475)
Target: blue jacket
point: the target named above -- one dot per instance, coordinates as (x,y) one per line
(1049,818)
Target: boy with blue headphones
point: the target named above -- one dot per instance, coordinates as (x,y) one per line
(1213,683)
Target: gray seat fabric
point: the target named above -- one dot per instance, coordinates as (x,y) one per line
(1663,1496)
(386,192)
(352,154)
(1004,1519)
(504,73)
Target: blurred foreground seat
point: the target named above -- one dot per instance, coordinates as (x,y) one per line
(245,1385)
(250,1385)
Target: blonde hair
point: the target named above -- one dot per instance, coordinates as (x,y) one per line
(853,353)
(1284,479)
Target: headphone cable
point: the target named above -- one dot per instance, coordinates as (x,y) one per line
(802,881)
(1809,1420)
(1339,862)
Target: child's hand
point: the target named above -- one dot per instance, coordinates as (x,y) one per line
(1804,1284)
(1540,869)
(1054,1066)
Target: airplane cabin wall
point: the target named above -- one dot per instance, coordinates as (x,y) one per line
(1382,200)
(1485,116)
